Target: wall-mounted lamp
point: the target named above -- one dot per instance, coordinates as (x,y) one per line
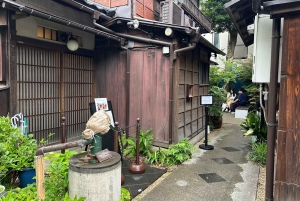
(133,24)
(72,44)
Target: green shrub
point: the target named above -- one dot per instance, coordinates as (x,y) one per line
(252,126)
(16,151)
(146,140)
(56,181)
(258,154)
(176,154)
(125,195)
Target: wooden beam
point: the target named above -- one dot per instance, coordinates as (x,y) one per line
(241,8)
(245,17)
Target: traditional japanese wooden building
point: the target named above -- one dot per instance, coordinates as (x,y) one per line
(147,57)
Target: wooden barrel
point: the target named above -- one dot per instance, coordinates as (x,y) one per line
(98,181)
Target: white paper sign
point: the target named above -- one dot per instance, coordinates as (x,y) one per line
(101,104)
(111,118)
(206,100)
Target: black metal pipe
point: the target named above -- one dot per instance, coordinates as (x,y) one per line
(271,117)
(60,20)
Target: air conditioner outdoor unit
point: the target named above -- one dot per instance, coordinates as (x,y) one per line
(262,49)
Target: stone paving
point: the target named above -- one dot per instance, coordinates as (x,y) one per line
(220,174)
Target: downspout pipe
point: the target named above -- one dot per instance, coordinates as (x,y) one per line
(192,46)
(271,119)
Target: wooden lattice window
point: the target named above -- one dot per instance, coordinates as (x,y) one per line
(51,34)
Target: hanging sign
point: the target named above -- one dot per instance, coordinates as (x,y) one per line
(206,100)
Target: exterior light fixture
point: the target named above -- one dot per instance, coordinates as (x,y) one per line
(72,44)
(133,24)
(169,32)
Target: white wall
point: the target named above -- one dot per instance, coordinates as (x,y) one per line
(241,51)
(28,27)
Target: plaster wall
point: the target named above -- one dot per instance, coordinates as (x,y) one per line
(28,27)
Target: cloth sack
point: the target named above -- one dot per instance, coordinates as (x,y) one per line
(98,123)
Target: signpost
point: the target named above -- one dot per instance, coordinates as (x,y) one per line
(206,100)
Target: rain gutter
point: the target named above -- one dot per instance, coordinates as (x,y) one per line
(60,20)
(271,119)
(136,38)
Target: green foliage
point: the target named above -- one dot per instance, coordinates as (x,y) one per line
(146,140)
(176,154)
(226,74)
(219,97)
(66,198)
(125,194)
(215,11)
(29,193)
(16,150)
(252,126)
(244,74)
(252,92)
(56,182)
(259,153)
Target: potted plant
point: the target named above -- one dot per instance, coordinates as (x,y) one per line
(16,154)
(215,110)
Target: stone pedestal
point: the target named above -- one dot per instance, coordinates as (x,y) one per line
(98,181)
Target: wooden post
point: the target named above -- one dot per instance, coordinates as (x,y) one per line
(116,147)
(40,177)
(63,133)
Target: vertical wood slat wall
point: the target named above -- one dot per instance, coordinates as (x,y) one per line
(39,91)
(190,112)
(78,92)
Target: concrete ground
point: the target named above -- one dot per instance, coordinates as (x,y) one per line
(220,174)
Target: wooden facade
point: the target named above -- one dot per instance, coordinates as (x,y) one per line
(47,81)
(138,83)
(190,112)
(287,175)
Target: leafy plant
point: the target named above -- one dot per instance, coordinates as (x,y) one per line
(16,150)
(66,198)
(219,97)
(125,195)
(56,182)
(259,153)
(146,140)
(29,193)
(176,154)
(252,126)
(252,92)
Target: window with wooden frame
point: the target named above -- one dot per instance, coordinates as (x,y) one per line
(203,73)
(51,34)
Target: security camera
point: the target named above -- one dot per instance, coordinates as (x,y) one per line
(134,24)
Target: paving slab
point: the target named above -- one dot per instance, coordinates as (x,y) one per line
(221,174)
